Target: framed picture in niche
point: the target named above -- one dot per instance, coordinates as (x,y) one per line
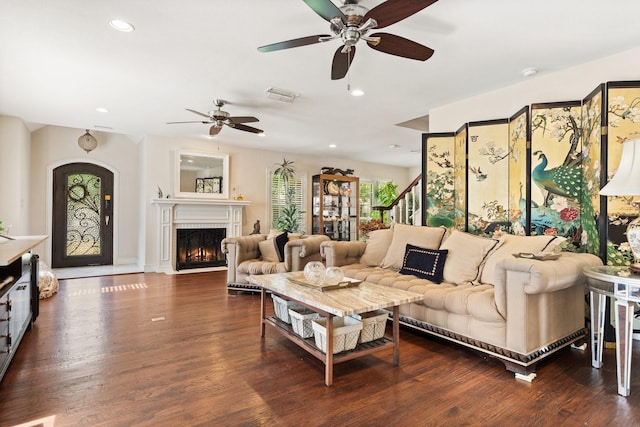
(199,185)
(208,185)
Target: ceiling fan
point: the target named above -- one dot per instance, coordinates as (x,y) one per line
(352,22)
(220,118)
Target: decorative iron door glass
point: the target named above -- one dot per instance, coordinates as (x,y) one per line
(83,214)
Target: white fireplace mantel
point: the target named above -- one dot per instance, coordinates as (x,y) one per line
(193,213)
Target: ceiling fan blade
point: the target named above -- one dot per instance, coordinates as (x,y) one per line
(193,121)
(198,113)
(242,119)
(214,130)
(303,41)
(392,11)
(399,46)
(245,128)
(342,62)
(326,9)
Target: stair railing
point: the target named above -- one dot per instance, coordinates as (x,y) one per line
(404,208)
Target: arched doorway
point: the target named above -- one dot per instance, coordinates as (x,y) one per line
(82,231)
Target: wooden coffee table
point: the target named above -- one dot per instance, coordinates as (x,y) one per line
(340,302)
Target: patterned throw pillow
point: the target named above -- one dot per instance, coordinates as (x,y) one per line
(424,263)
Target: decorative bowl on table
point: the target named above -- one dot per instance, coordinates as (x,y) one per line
(314,272)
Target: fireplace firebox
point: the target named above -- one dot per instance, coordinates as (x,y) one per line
(199,248)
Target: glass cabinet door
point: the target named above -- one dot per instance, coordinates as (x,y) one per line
(335,206)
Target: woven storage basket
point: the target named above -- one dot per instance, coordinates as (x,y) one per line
(282,306)
(301,321)
(374,324)
(346,331)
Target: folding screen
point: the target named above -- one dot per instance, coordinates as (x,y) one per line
(437,179)
(460,178)
(539,172)
(593,142)
(519,187)
(623,120)
(556,174)
(487,177)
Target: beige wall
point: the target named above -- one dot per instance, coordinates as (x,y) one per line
(248,169)
(15,179)
(139,167)
(572,84)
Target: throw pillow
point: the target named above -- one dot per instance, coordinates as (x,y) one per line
(511,244)
(280,241)
(424,263)
(467,253)
(268,250)
(424,237)
(377,245)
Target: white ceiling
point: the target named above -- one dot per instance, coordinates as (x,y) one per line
(60,60)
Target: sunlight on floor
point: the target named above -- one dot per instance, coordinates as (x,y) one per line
(49,421)
(108,289)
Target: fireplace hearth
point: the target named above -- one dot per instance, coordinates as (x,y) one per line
(199,248)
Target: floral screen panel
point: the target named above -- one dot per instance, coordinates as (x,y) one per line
(487,177)
(519,165)
(556,174)
(623,120)
(83,214)
(592,122)
(460,179)
(438,173)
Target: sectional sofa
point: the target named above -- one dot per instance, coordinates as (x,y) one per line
(475,291)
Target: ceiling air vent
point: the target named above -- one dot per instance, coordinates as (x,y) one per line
(281,95)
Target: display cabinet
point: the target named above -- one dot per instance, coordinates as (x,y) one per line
(335,207)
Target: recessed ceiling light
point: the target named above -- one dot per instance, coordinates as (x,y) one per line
(102,110)
(357,92)
(392,146)
(120,25)
(332,145)
(262,134)
(528,72)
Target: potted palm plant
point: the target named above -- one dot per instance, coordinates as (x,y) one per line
(289,216)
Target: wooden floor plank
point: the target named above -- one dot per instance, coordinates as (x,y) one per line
(173,350)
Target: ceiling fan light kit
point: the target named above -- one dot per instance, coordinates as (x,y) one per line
(219,118)
(352,22)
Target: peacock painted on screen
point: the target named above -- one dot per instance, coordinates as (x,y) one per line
(567,181)
(562,180)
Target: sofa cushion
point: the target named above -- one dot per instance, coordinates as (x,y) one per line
(424,263)
(511,244)
(256,266)
(272,249)
(378,244)
(467,253)
(424,237)
(268,250)
(279,241)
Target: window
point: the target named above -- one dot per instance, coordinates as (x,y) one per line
(279,206)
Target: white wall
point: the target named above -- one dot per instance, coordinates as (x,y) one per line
(572,84)
(28,160)
(54,146)
(15,179)
(248,173)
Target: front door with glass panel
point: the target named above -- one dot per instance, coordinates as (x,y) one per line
(82,232)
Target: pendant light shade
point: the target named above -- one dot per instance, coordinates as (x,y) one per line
(87,141)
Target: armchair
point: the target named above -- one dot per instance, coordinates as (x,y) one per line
(244,258)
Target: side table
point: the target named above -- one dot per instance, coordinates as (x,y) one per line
(623,286)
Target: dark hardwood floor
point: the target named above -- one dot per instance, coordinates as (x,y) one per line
(160,350)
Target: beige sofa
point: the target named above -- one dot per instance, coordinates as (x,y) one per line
(254,254)
(517,310)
